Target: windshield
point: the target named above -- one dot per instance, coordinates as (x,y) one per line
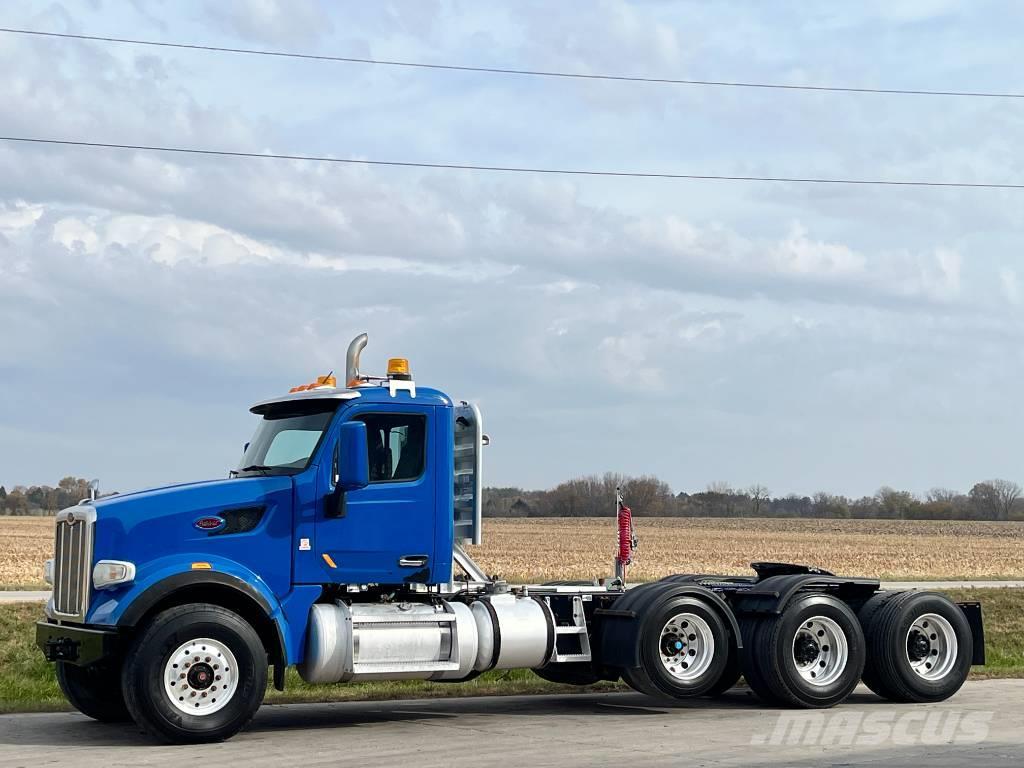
(285,441)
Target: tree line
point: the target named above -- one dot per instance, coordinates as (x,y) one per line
(594,496)
(42,499)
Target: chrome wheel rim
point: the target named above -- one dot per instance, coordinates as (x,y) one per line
(931,646)
(686,646)
(201,677)
(820,651)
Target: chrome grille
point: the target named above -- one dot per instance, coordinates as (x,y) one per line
(73,562)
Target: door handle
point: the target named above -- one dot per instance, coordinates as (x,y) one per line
(412,561)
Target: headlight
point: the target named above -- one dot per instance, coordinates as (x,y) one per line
(48,571)
(110,573)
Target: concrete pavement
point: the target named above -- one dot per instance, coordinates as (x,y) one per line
(22,596)
(982,726)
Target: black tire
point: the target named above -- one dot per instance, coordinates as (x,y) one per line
(749,631)
(866,616)
(95,690)
(652,677)
(871,607)
(889,631)
(637,679)
(143,676)
(569,673)
(772,669)
(730,675)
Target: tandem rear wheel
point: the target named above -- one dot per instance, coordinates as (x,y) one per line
(920,646)
(684,649)
(811,655)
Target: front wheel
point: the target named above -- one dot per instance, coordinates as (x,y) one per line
(95,690)
(196,673)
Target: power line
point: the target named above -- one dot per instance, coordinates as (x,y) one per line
(520,72)
(507,168)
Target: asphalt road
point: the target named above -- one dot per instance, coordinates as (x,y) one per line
(15,596)
(982,726)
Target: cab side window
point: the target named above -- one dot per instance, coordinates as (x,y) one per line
(397,445)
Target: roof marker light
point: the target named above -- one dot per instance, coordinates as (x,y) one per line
(398,368)
(321,382)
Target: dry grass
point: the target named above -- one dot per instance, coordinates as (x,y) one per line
(567,548)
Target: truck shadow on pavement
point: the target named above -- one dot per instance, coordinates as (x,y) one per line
(74,730)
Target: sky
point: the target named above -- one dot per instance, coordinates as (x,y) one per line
(799,337)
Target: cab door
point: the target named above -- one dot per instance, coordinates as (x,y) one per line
(385,533)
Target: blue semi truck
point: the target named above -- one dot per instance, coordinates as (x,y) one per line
(337,547)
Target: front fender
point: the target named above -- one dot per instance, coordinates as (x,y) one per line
(128,605)
(125,606)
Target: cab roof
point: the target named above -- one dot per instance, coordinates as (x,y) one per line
(373,393)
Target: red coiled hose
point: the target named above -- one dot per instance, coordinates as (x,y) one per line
(625,555)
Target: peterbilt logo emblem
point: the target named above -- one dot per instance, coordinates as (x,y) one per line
(71,518)
(209,523)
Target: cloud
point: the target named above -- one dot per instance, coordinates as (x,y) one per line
(1010,285)
(294,22)
(239,210)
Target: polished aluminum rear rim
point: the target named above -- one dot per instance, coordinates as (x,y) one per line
(931,646)
(820,651)
(687,646)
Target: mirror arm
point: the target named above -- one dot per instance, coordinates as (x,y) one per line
(335,503)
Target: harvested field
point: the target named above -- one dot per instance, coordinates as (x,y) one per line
(565,548)
(539,548)
(25,542)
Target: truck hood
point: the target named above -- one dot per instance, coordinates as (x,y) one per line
(238,490)
(163,520)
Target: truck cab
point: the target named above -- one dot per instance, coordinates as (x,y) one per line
(390,523)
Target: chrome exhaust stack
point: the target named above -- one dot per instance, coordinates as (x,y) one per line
(355,349)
